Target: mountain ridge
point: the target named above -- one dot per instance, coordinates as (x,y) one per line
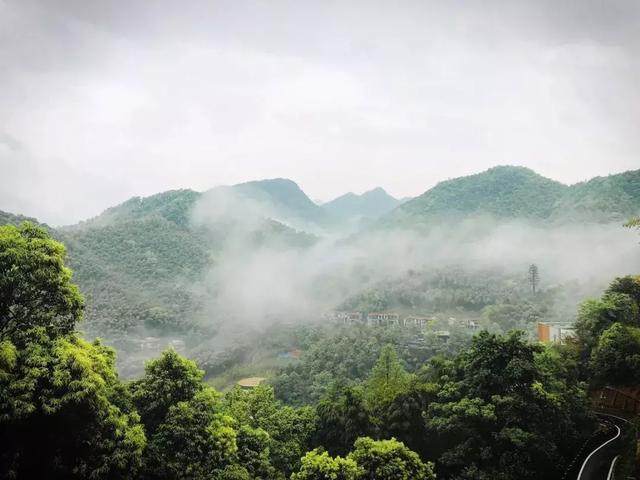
(509,192)
(370,204)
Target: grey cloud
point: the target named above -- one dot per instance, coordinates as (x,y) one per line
(139,96)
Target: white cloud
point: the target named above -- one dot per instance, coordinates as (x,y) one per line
(137,98)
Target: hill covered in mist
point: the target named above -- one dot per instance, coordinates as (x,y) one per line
(184,264)
(138,261)
(369,205)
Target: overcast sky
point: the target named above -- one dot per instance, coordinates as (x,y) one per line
(104,100)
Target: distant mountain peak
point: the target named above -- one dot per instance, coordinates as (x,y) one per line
(284,196)
(371,204)
(378,191)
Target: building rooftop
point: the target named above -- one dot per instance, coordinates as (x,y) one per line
(250,382)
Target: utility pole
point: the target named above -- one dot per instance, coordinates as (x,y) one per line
(534,277)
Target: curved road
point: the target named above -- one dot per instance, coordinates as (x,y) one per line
(599,463)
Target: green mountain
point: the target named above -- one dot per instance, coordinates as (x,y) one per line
(7,218)
(601,199)
(137,263)
(371,204)
(508,192)
(141,264)
(283,200)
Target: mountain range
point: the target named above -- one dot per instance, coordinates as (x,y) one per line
(370,205)
(137,262)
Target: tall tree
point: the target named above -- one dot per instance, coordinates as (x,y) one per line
(194,442)
(317,465)
(289,428)
(388,460)
(63,410)
(534,277)
(35,285)
(168,380)
(341,417)
(499,414)
(616,358)
(387,379)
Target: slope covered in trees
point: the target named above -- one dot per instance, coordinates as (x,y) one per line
(138,262)
(602,199)
(508,192)
(13,219)
(499,408)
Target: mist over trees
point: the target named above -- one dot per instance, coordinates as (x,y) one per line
(495,406)
(452,385)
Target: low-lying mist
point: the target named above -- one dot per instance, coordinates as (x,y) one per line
(253,284)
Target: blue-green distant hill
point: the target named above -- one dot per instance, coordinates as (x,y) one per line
(370,205)
(508,192)
(137,262)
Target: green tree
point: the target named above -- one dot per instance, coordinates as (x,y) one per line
(404,417)
(254,453)
(387,379)
(318,465)
(195,441)
(289,428)
(168,380)
(534,277)
(63,411)
(502,413)
(616,358)
(629,285)
(35,284)
(595,316)
(388,460)
(341,417)
(61,415)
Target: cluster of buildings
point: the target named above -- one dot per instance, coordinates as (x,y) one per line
(389,319)
(547,332)
(554,333)
(157,344)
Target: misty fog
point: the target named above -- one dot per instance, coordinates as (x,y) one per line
(253,285)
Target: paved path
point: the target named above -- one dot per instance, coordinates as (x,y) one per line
(599,463)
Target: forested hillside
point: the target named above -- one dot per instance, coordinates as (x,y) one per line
(601,199)
(13,219)
(155,267)
(508,192)
(356,406)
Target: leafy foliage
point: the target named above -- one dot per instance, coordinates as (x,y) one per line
(616,358)
(498,415)
(193,442)
(388,460)
(289,429)
(168,380)
(318,465)
(63,412)
(35,285)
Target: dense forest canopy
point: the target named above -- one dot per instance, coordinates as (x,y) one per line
(497,406)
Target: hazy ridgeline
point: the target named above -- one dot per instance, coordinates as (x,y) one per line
(209,271)
(261,273)
(251,285)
